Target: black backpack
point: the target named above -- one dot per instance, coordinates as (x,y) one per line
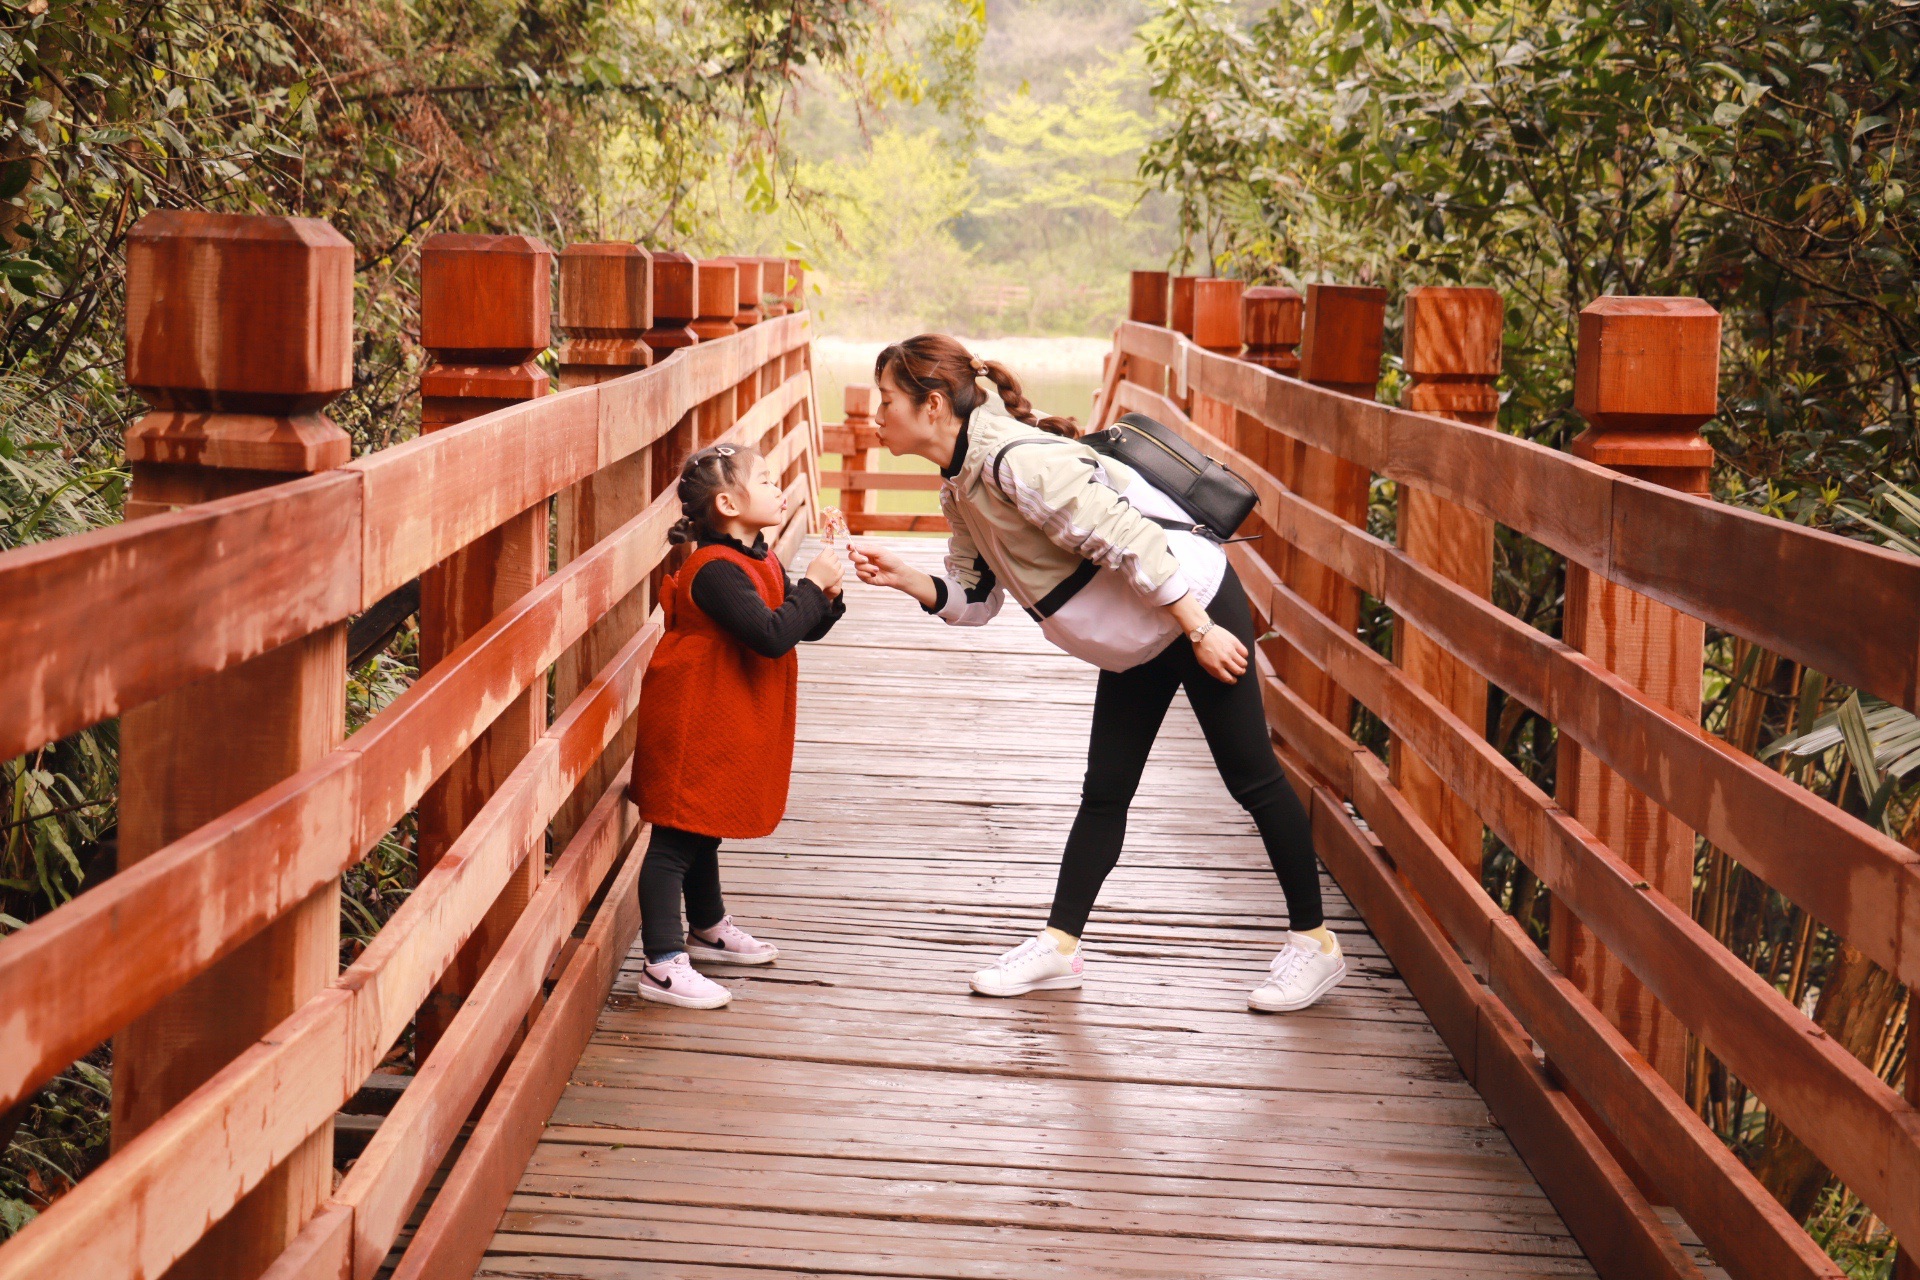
(1215,497)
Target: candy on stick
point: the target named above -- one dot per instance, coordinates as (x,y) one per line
(836,524)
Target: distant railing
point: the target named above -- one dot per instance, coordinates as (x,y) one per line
(214,623)
(1650,562)
(860,479)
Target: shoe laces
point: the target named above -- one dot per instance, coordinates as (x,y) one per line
(1030,947)
(1291,963)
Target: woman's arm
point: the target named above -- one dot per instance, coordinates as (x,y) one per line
(1219,651)
(725,593)
(967,596)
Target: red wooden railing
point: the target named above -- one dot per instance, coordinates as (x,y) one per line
(214,624)
(860,479)
(1651,562)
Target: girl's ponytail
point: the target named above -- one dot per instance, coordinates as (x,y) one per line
(704,476)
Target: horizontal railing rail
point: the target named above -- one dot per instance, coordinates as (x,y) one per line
(168,604)
(1619,1137)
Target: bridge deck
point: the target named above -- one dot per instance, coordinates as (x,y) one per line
(857,1112)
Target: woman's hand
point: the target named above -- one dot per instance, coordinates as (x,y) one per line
(1220,652)
(879,567)
(1221,655)
(825,572)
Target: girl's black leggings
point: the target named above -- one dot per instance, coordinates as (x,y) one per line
(1127,711)
(678,862)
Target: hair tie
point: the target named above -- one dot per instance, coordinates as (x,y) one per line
(979,367)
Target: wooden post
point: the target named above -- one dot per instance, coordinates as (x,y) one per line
(796,285)
(675,303)
(1344,331)
(1451,350)
(1146,304)
(1647,377)
(1180,309)
(717,293)
(485,313)
(606,308)
(747,311)
(773,287)
(1216,327)
(860,401)
(239,332)
(1270,317)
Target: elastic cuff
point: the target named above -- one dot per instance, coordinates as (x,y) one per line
(1171,590)
(939,597)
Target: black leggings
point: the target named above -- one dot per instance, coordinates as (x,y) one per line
(1127,711)
(678,862)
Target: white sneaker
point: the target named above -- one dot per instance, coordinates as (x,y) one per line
(1299,975)
(731,943)
(1034,965)
(676,982)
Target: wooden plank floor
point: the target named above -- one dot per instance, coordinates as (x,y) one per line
(856,1112)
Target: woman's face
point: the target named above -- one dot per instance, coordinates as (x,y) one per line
(906,427)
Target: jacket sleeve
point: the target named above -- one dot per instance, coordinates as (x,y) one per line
(967,595)
(725,593)
(1063,493)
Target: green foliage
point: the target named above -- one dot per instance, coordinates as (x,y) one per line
(1757,153)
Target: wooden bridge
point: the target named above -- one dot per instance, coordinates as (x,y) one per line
(1465,1105)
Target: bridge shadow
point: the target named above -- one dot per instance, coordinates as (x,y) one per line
(857,1112)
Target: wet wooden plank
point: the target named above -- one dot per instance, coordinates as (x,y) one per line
(856,1111)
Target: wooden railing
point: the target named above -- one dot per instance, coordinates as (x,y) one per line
(1603,1122)
(214,624)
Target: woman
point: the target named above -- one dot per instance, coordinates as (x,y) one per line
(1111,570)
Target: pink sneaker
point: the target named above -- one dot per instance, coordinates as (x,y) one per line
(729,943)
(677,982)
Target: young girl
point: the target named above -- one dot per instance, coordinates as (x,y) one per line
(716,714)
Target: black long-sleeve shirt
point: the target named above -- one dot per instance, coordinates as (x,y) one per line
(726,594)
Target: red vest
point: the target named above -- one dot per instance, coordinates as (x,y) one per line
(715,747)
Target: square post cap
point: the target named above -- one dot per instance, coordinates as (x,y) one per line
(485,299)
(1271,316)
(1647,364)
(606,290)
(719,289)
(1216,314)
(238,312)
(859,399)
(1453,332)
(1147,301)
(675,295)
(1343,334)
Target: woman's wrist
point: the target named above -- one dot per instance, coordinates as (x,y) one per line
(1188,613)
(921,587)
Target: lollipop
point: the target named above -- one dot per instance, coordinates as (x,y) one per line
(836,522)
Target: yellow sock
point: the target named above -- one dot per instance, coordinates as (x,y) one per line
(1322,936)
(1066,942)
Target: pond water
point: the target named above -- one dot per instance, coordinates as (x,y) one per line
(1059,375)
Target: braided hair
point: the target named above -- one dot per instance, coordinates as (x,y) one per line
(934,362)
(704,476)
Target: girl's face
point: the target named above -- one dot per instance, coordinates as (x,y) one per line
(757,506)
(906,427)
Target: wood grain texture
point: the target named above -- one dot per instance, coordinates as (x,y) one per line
(856,1112)
(1640,534)
(1865,884)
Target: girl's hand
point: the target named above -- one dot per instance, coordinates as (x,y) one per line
(879,567)
(1221,655)
(825,572)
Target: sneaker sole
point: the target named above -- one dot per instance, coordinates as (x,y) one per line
(697,952)
(658,996)
(1293,1006)
(1063,983)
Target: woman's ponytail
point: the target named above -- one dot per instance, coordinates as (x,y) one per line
(1019,407)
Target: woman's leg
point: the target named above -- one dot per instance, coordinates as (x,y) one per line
(1235,724)
(1128,707)
(670,854)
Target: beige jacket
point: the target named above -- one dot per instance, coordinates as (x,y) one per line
(1066,532)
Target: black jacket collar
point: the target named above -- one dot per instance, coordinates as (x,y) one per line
(758,550)
(959,459)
